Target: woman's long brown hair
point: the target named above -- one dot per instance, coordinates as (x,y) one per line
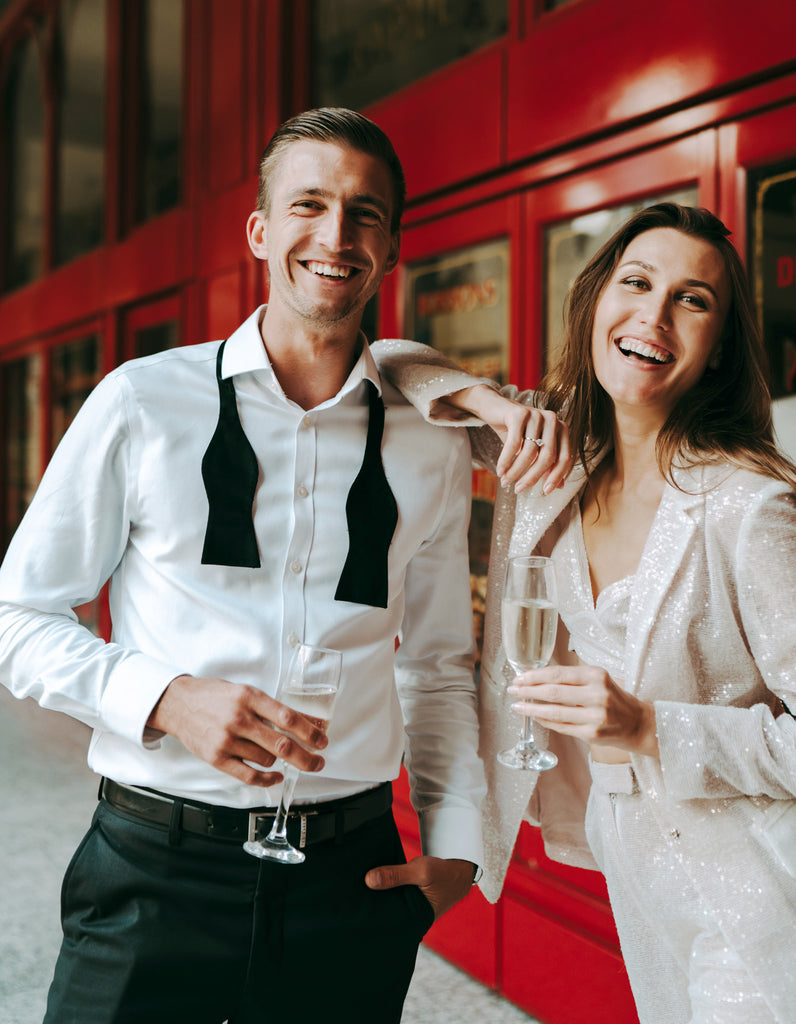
(726,417)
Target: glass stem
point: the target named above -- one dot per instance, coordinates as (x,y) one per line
(279,827)
(526,735)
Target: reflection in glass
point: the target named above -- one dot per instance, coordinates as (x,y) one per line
(363,50)
(157,338)
(20,394)
(81,143)
(459,303)
(26,169)
(570,244)
(772,206)
(160,107)
(75,371)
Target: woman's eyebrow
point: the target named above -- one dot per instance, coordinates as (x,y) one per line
(692,282)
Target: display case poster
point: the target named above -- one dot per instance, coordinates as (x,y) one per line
(459,304)
(773,207)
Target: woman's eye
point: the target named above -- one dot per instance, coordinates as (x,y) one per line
(635,282)
(694,300)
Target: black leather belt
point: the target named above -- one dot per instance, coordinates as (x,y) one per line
(307,824)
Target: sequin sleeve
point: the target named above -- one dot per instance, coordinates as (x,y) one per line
(425,376)
(709,750)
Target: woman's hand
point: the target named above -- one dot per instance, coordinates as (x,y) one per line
(585,702)
(522,462)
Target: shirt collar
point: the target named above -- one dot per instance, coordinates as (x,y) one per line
(245,353)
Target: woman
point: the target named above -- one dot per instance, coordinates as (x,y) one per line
(674,540)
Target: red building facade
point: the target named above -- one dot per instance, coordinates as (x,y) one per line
(129,140)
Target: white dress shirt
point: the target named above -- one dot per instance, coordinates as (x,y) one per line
(123,499)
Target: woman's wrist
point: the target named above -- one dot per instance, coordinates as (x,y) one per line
(475,400)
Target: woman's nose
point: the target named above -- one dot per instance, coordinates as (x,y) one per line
(655,310)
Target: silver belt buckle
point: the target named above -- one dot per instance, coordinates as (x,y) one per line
(254,819)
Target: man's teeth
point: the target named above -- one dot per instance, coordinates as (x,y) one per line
(327,270)
(632,346)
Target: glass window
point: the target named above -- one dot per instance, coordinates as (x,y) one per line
(75,372)
(156,338)
(459,303)
(772,235)
(363,50)
(157,184)
(20,387)
(81,142)
(25,189)
(570,244)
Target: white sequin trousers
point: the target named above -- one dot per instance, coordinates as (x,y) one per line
(680,967)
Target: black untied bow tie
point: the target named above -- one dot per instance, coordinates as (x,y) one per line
(230,473)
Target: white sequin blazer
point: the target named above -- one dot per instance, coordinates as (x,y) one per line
(711,641)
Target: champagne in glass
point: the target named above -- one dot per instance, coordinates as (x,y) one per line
(529,620)
(310,687)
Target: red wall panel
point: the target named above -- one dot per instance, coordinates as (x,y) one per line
(225,294)
(559,974)
(227,97)
(597,65)
(450,128)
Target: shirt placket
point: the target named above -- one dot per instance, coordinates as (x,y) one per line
(294,583)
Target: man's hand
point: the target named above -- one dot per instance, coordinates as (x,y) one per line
(228,725)
(443,882)
(522,462)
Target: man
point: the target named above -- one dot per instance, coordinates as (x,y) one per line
(243,498)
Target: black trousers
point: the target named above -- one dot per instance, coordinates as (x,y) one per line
(201,933)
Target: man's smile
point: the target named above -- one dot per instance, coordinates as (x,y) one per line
(328,269)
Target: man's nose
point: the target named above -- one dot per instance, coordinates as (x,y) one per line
(334,233)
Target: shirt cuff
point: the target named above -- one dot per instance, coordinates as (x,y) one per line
(452,833)
(133,691)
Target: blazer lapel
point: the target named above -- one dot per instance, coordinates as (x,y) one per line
(668,542)
(508,792)
(535,512)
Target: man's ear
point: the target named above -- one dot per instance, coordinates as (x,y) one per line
(256,234)
(395,252)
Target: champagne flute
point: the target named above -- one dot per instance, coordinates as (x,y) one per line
(529,620)
(310,687)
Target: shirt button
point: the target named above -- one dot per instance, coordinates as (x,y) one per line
(292,639)
(302,491)
(295,566)
(307,421)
